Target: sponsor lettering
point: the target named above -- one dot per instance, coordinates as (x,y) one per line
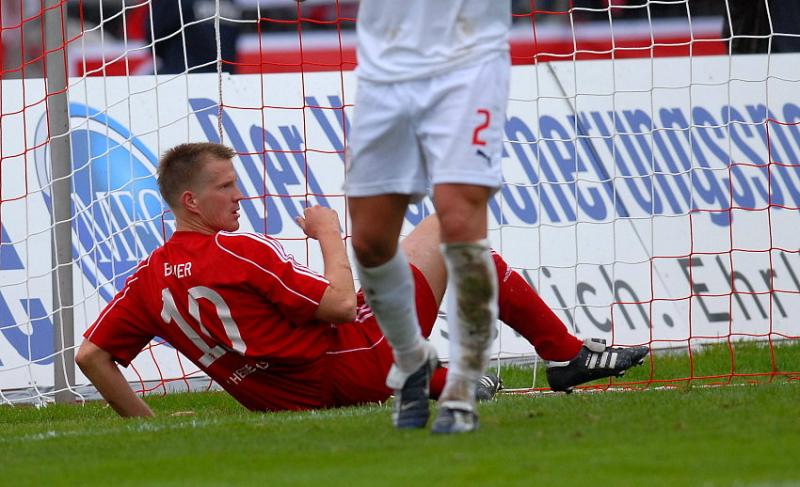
(241,373)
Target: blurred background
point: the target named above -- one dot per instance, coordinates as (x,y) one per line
(128,37)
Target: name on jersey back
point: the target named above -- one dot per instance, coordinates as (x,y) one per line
(178,270)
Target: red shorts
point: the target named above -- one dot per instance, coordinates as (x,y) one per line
(360,355)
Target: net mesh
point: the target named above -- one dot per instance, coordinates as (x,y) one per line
(651,169)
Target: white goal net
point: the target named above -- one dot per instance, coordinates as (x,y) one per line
(651,164)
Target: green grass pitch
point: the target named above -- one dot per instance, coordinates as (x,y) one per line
(742,434)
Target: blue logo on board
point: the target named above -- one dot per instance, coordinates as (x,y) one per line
(118,214)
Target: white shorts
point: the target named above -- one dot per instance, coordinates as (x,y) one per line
(409,135)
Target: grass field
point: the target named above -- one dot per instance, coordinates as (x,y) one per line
(718,364)
(742,434)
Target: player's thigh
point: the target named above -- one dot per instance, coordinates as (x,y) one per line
(461,133)
(383,153)
(421,248)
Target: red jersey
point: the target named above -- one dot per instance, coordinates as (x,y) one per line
(237,306)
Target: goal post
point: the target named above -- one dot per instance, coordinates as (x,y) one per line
(651,176)
(54,26)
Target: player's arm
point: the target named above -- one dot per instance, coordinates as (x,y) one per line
(338,304)
(100,368)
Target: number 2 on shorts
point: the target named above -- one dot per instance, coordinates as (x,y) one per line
(476,134)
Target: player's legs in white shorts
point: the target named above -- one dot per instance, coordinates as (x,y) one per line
(408,135)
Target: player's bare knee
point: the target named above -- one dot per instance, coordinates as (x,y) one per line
(372,252)
(462,219)
(85,356)
(461,227)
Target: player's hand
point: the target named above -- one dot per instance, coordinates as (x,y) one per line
(318,221)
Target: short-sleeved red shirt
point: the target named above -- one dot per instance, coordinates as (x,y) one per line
(236,305)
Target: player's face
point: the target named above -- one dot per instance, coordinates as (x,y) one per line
(218,196)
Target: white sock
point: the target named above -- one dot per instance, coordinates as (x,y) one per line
(389,290)
(471,315)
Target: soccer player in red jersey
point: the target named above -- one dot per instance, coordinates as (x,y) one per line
(273,333)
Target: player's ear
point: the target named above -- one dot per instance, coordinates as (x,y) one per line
(189,201)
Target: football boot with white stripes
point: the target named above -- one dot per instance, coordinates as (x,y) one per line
(412,391)
(594,361)
(487,387)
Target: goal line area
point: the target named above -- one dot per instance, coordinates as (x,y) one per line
(651,172)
